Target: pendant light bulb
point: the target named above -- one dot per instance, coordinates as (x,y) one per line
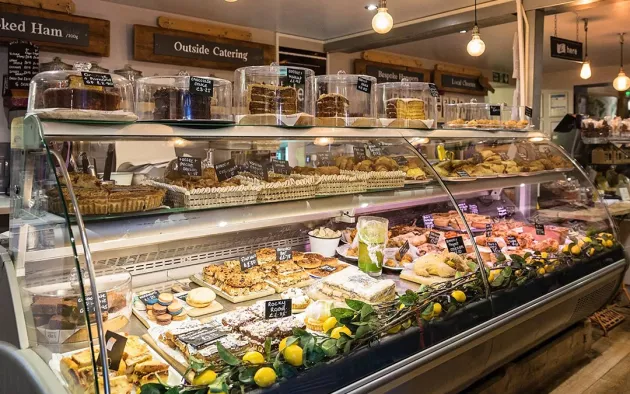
(382,22)
(622,82)
(476,47)
(585,73)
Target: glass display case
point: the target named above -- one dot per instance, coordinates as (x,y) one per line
(484,116)
(407,105)
(283,263)
(345,100)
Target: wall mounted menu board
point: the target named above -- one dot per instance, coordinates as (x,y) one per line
(459,83)
(54,31)
(154,44)
(391,73)
(23,64)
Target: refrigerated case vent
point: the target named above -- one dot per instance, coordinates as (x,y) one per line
(589,303)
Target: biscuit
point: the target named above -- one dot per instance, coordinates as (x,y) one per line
(164,319)
(159,309)
(165,299)
(200,297)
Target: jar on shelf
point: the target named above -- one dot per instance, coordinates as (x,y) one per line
(55,65)
(81,94)
(129,72)
(474,115)
(183,98)
(406,104)
(345,100)
(273,95)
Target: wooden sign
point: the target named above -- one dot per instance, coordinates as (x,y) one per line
(54,31)
(566,49)
(154,44)
(459,83)
(391,73)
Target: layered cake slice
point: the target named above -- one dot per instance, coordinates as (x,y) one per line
(271,99)
(357,285)
(332,105)
(405,108)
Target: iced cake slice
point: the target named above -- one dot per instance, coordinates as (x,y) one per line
(357,285)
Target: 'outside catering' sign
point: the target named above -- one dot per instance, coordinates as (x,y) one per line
(159,45)
(54,31)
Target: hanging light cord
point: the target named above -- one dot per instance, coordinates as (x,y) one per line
(586,37)
(621,43)
(475,12)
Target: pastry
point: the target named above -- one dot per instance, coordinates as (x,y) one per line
(405,108)
(200,297)
(356,285)
(328,267)
(332,105)
(76,95)
(271,99)
(164,319)
(165,299)
(159,309)
(311,260)
(175,308)
(316,314)
(299,299)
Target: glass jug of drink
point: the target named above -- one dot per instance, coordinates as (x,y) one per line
(372,235)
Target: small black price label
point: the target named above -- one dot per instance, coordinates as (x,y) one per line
(434,237)
(494,247)
(512,241)
(403,249)
(248,261)
(473,209)
(97,79)
(202,336)
(90,303)
(226,170)
(456,245)
(257,169)
(281,167)
(433,90)
(462,174)
(148,297)
(201,86)
(463,206)
(488,230)
(284,254)
(327,268)
(428,221)
(277,308)
(115,345)
(296,76)
(540,229)
(529,112)
(375,150)
(504,156)
(325,159)
(495,110)
(401,160)
(190,166)
(364,85)
(502,212)
(359,154)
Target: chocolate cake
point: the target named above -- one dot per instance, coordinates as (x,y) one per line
(332,105)
(173,103)
(76,95)
(271,99)
(405,108)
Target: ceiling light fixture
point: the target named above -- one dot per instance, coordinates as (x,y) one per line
(476,46)
(622,82)
(585,72)
(231,1)
(371,7)
(463,31)
(382,22)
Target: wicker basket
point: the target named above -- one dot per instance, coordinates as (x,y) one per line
(380,179)
(337,184)
(291,189)
(207,197)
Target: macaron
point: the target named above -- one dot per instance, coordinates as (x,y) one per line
(200,297)
(165,299)
(164,319)
(175,308)
(151,315)
(159,309)
(181,316)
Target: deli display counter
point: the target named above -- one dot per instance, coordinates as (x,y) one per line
(281,259)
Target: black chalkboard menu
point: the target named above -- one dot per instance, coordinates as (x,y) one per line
(23,64)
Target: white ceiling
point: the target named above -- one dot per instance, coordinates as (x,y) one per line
(318,19)
(605,23)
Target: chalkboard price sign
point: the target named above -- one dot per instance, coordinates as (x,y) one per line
(488,230)
(512,241)
(494,247)
(428,221)
(404,249)
(281,167)
(434,237)
(296,76)
(97,79)
(359,154)
(433,89)
(190,166)
(473,209)
(201,86)
(540,229)
(257,170)
(401,160)
(284,254)
(248,261)
(277,308)
(226,170)
(456,245)
(90,303)
(324,159)
(375,150)
(495,110)
(364,85)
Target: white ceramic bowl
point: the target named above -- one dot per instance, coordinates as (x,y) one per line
(324,246)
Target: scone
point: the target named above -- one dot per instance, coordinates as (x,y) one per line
(200,297)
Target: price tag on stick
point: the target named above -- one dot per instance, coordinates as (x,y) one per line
(434,237)
(540,228)
(115,345)
(190,166)
(456,245)
(403,249)
(284,254)
(277,308)
(248,261)
(201,86)
(226,170)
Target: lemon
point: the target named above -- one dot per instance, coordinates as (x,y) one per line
(331,322)
(265,377)
(283,344)
(293,355)
(587,239)
(491,276)
(609,244)
(395,329)
(580,243)
(565,249)
(541,271)
(254,358)
(591,251)
(336,332)
(437,309)
(401,307)
(459,296)
(549,268)
(544,255)
(407,324)
(576,250)
(205,378)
